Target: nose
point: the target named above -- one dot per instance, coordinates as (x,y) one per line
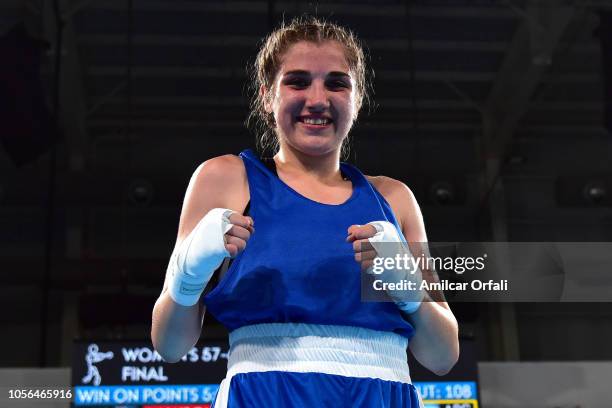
(317,99)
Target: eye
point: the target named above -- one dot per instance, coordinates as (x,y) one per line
(297,83)
(338,84)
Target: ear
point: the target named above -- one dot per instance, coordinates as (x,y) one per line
(263,92)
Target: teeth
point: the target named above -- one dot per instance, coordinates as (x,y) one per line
(317,121)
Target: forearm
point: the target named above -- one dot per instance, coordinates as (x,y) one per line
(436,342)
(177,314)
(175,328)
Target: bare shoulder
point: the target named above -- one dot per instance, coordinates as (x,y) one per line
(228,167)
(392,189)
(402,202)
(220,182)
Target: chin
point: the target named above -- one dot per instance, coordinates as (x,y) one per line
(316,148)
(312,145)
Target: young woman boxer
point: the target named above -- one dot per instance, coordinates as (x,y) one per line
(300,336)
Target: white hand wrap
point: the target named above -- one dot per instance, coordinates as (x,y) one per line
(195,260)
(386,235)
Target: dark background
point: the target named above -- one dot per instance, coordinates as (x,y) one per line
(492,112)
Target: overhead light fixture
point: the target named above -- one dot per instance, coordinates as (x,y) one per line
(442,193)
(140,192)
(595,192)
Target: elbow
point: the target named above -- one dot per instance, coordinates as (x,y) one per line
(163,346)
(444,365)
(166,353)
(170,349)
(442,369)
(449,358)
(170,346)
(169,358)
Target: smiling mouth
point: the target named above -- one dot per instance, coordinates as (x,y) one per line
(314,121)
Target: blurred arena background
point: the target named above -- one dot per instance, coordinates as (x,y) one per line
(496,113)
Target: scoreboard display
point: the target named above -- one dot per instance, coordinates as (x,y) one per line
(130,374)
(457,389)
(442,394)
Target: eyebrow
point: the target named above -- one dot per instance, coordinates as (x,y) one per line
(300,72)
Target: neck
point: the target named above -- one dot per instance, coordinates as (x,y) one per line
(322,167)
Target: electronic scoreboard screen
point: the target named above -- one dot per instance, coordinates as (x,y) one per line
(130,374)
(457,389)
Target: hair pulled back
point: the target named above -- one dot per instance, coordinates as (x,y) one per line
(268,62)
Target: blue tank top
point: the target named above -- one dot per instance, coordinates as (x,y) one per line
(297,267)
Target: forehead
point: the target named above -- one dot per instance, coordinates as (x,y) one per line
(309,56)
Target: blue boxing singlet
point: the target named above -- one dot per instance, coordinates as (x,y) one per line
(300,336)
(297,266)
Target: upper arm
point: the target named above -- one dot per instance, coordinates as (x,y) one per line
(409,216)
(220,182)
(404,206)
(409,212)
(217,183)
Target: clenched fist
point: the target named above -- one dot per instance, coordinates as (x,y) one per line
(381,239)
(364,251)
(236,237)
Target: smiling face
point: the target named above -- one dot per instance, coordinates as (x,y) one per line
(313,98)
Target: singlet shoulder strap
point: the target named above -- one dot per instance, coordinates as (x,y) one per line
(270,164)
(266,161)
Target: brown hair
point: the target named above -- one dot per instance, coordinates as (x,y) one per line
(268,61)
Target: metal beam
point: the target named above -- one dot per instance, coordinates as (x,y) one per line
(517,79)
(218,73)
(394,44)
(522,70)
(73,104)
(250,41)
(107,271)
(239,72)
(14,5)
(261,7)
(71,116)
(11,16)
(462,126)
